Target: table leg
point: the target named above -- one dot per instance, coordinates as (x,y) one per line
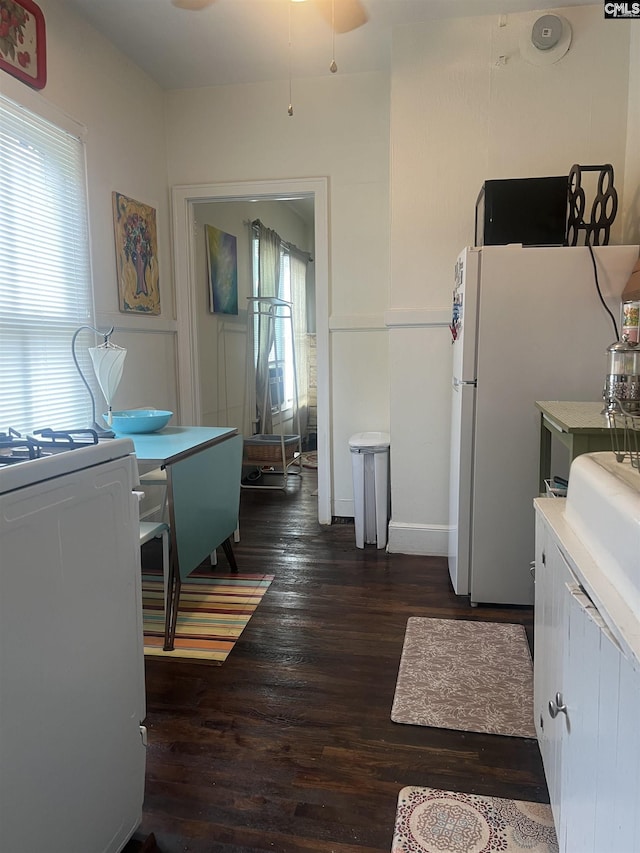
(231,557)
(171,605)
(545,455)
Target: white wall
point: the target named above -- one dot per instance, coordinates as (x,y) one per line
(122,111)
(340,129)
(459,116)
(631,200)
(405,157)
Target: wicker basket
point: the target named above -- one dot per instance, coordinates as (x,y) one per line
(268,448)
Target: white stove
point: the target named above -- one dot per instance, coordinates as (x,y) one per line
(72,697)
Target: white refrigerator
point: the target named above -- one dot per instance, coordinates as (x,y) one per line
(527,325)
(72,693)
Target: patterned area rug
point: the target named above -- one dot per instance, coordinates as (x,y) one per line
(432,821)
(470,676)
(214,610)
(310,459)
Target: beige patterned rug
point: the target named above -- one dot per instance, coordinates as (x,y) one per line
(432,821)
(470,676)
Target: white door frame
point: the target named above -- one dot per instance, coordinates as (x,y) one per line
(183,199)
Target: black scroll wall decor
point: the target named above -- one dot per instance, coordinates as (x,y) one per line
(603,210)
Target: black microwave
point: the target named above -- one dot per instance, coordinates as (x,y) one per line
(531,211)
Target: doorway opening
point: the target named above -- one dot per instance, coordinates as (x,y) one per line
(185,202)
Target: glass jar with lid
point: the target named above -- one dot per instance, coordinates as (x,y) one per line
(622,385)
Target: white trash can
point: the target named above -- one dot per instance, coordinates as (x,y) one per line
(370,466)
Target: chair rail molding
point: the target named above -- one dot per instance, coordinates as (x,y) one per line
(122,322)
(357,323)
(393,318)
(408,317)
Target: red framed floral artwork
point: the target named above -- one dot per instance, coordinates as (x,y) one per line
(23,51)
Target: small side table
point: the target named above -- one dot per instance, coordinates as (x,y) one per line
(581,427)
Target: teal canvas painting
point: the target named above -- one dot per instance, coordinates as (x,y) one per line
(222,259)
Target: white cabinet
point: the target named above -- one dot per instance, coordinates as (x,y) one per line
(587,702)
(551,576)
(581,715)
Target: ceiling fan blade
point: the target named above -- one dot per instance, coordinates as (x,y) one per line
(346,15)
(192,5)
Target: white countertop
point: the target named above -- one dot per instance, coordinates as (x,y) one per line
(616,608)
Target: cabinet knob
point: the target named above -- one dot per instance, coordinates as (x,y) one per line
(557,706)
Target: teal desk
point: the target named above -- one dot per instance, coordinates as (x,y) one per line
(204,467)
(171,444)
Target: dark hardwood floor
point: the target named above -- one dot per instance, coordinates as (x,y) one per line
(289,746)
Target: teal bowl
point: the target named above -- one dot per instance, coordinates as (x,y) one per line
(138,420)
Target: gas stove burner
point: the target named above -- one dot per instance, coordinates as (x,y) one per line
(57,440)
(15,447)
(9,436)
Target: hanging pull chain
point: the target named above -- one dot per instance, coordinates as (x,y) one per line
(290,108)
(334,65)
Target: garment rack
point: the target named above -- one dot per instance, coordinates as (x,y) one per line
(272,453)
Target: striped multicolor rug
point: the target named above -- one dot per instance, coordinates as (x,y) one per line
(214,610)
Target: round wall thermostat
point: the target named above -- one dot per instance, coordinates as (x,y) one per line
(546,41)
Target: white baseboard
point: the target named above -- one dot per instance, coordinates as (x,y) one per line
(429,540)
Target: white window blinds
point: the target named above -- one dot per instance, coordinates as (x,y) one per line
(45,278)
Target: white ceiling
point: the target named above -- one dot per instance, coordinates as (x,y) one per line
(245,41)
